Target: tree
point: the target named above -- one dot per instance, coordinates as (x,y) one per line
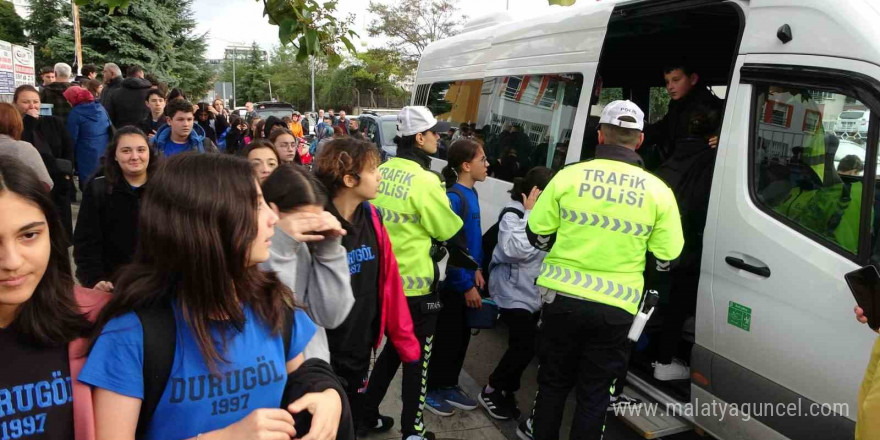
(311,26)
(50,31)
(253,80)
(157,35)
(11,25)
(291,79)
(562,2)
(413,24)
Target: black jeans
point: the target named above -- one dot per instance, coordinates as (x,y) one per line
(450,343)
(682,304)
(412,393)
(522,332)
(581,343)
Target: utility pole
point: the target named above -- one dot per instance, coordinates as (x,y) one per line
(313,84)
(77,38)
(270,90)
(234,104)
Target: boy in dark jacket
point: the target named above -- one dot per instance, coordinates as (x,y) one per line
(155,102)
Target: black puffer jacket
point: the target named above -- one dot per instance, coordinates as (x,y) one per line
(125,105)
(106,230)
(54,94)
(700,106)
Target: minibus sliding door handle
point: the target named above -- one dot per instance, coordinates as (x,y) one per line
(740,264)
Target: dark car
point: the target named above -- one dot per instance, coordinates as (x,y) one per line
(277,109)
(381,131)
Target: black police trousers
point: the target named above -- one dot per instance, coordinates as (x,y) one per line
(581,344)
(414,374)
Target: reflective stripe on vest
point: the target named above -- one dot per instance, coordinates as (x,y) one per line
(606,222)
(599,289)
(397,217)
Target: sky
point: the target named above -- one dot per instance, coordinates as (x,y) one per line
(242,21)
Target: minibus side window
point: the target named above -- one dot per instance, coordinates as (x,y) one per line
(527,120)
(808,159)
(456,102)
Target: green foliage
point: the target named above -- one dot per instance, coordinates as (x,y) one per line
(291,79)
(413,24)
(158,35)
(253,81)
(311,25)
(562,2)
(50,32)
(659,104)
(11,24)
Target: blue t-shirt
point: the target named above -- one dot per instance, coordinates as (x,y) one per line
(195,402)
(172,148)
(462,280)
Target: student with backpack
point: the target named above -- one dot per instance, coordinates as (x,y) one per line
(197,342)
(515,265)
(44,318)
(349,169)
(467,164)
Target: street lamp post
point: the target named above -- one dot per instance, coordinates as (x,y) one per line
(313,84)
(234,103)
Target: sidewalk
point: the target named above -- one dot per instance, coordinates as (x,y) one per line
(469,425)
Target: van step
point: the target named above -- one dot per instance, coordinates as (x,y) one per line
(650,419)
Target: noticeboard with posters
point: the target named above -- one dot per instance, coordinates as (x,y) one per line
(7,76)
(23,65)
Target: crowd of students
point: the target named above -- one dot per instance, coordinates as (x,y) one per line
(226,295)
(240,289)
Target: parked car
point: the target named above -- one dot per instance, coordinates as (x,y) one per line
(853,123)
(277,109)
(380,130)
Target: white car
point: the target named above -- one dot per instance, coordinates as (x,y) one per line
(853,123)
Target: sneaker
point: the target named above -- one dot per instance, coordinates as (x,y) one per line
(510,401)
(459,399)
(437,404)
(524,430)
(427,435)
(623,401)
(496,405)
(676,370)
(381,424)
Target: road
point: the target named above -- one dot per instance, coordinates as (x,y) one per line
(486,350)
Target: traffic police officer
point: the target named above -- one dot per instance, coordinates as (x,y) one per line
(607,212)
(415,210)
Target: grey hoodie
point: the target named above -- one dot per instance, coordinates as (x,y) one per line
(320,280)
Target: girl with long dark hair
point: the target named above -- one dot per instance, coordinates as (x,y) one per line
(107,225)
(44,319)
(204,227)
(467,165)
(349,169)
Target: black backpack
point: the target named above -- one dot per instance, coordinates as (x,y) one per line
(490,240)
(160,341)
